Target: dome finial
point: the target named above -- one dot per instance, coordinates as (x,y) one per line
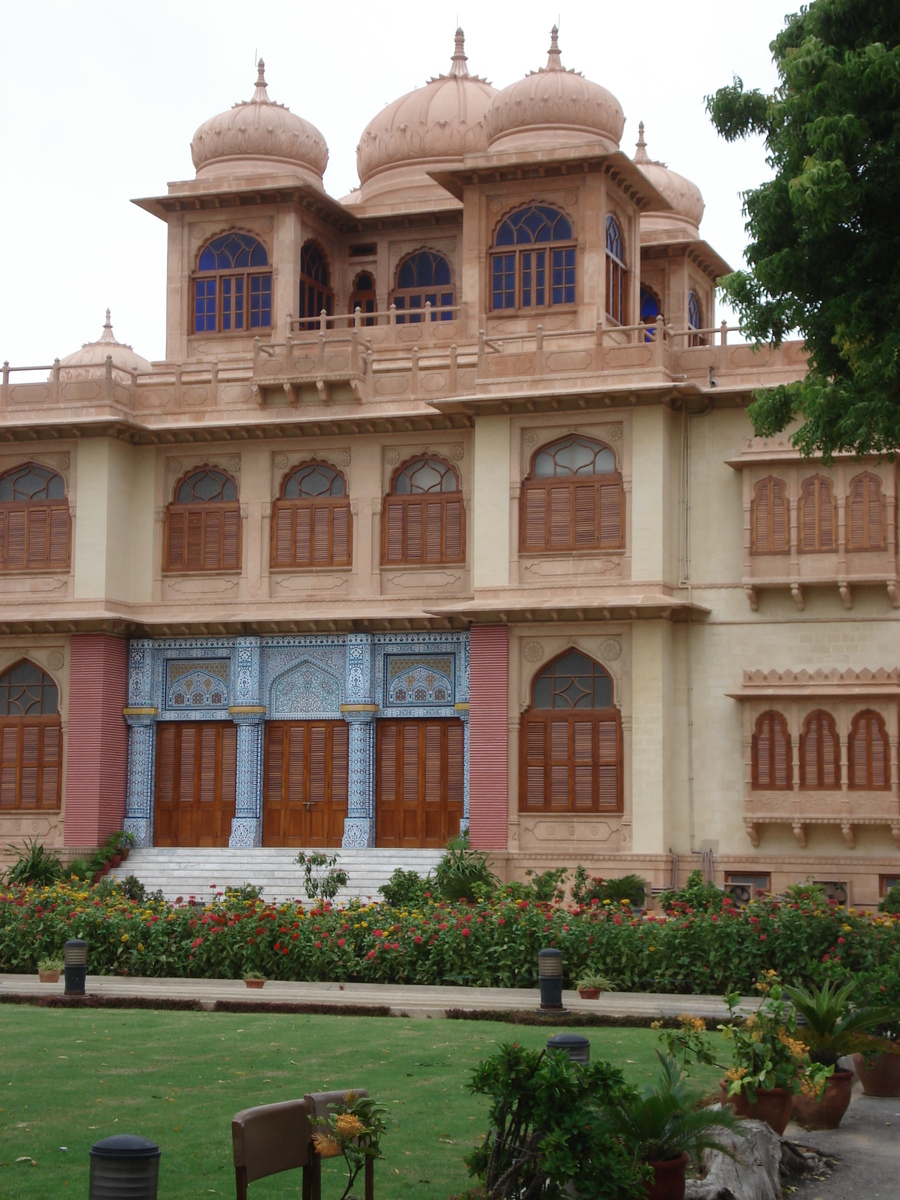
(641,156)
(458,61)
(260,96)
(554,61)
(107,334)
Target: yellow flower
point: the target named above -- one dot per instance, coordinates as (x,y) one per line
(348,1125)
(734,1073)
(140,948)
(125,937)
(326,1145)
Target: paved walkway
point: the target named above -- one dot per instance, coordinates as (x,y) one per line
(400,999)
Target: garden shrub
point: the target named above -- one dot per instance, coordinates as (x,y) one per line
(890,903)
(34,863)
(630,890)
(695,895)
(406,889)
(463,873)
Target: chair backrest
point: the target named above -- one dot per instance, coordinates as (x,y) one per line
(317,1102)
(317,1106)
(269,1139)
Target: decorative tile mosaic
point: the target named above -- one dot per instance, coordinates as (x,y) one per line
(196,685)
(412,681)
(427,649)
(306,690)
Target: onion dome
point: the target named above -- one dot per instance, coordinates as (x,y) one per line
(684,196)
(259,137)
(90,361)
(429,128)
(554,107)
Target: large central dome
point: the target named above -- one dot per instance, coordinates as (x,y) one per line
(429,128)
(554,107)
(259,137)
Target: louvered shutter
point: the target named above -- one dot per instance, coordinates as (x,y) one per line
(51,761)
(320,555)
(869,753)
(433,523)
(770,518)
(186,774)
(454,536)
(779,540)
(3,517)
(583,765)
(826,516)
(296,765)
(771,753)
(176,523)
(611,509)
(414,522)
(609,765)
(534,517)
(9,765)
(535,763)
(165,763)
(59,537)
(36,544)
(875,539)
(393,542)
(16,538)
(208,757)
(808,516)
(585,524)
(282,535)
(317,764)
(339,762)
(559,764)
(865,514)
(879,761)
(432,764)
(341,535)
(231,539)
(193,548)
(228,786)
(30,765)
(274,780)
(456,754)
(560,517)
(303,536)
(410,743)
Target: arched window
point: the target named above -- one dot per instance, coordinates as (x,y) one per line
(865,513)
(573,498)
(771,753)
(30,739)
(363,296)
(770,518)
(615,271)
(35,528)
(820,752)
(695,320)
(533,261)
(424,518)
(818,515)
(649,311)
(423,278)
(203,524)
(571,740)
(232,285)
(315,286)
(311,520)
(869,753)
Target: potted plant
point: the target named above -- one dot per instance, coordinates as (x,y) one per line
(591,984)
(659,1126)
(832,1028)
(49,969)
(878,1064)
(252,979)
(125,841)
(768,1062)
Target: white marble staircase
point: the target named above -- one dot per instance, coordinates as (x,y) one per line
(201,872)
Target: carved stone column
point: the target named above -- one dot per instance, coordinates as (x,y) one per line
(359,713)
(246,827)
(141,721)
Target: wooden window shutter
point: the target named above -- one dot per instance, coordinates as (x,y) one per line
(410,751)
(585,499)
(560,517)
(534,517)
(231,539)
(274,778)
(583,765)
(37,551)
(303,536)
(187,764)
(611,514)
(433,530)
(609,765)
(393,519)
(16,538)
(208,759)
(770,518)
(414,521)
(212,539)
(193,541)
(296,764)
(3,559)
(59,537)
(432,764)
(865,514)
(30,764)
(534,739)
(320,555)
(228,785)
(318,765)
(387,762)
(175,529)
(340,742)
(165,762)
(820,758)
(282,535)
(869,753)
(9,764)
(454,535)
(559,764)
(341,538)
(50,764)
(771,753)
(817,515)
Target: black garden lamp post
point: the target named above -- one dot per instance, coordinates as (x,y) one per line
(75,959)
(550,978)
(124,1167)
(577,1047)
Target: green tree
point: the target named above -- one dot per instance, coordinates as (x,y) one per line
(824,255)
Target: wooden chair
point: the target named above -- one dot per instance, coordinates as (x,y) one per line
(317,1106)
(273,1138)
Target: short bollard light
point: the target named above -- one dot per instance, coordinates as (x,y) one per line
(577,1047)
(75,959)
(550,978)
(124,1167)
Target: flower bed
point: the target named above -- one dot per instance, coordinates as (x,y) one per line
(493,944)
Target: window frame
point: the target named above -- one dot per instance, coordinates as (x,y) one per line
(365,299)
(774,717)
(616,272)
(875,723)
(47,521)
(812,490)
(309,286)
(772,499)
(518,252)
(398,528)
(19,725)
(439,295)
(827,726)
(870,483)
(249,277)
(325,514)
(210,522)
(578,486)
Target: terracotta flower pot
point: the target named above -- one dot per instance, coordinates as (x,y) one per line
(98,875)
(773,1107)
(115,860)
(589,993)
(882,1078)
(827,1111)
(254,983)
(668,1179)
(49,976)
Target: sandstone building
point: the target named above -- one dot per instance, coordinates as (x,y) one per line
(444,510)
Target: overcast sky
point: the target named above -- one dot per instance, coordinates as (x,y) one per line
(100,102)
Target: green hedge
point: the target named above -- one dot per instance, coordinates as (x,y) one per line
(492,945)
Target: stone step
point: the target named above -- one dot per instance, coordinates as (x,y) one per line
(189,871)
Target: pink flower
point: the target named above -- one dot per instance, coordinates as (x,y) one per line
(762,937)
(196,942)
(417,939)
(840,941)
(342,941)
(372,954)
(318,945)
(466,932)
(501,920)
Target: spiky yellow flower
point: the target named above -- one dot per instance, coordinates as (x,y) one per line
(326,1145)
(348,1125)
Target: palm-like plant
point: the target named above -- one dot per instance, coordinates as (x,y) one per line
(834,1026)
(659,1122)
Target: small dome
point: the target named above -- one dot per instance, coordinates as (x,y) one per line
(684,196)
(257,137)
(90,361)
(554,107)
(433,126)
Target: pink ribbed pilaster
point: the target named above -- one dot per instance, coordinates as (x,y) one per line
(488,736)
(97,738)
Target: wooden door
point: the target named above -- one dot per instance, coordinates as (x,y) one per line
(419,795)
(196,775)
(305,791)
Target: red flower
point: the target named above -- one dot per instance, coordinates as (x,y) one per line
(196,943)
(284,951)
(417,939)
(277,946)
(342,941)
(840,941)
(762,937)
(501,920)
(294,936)
(372,954)
(318,945)
(466,932)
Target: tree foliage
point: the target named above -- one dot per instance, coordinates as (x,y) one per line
(824,255)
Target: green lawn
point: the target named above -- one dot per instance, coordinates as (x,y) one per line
(71,1078)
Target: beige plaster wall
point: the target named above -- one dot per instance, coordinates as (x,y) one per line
(114,542)
(491,502)
(655,496)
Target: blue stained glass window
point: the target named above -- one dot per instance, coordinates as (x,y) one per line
(519,279)
(233,250)
(418,280)
(260,301)
(219,299)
